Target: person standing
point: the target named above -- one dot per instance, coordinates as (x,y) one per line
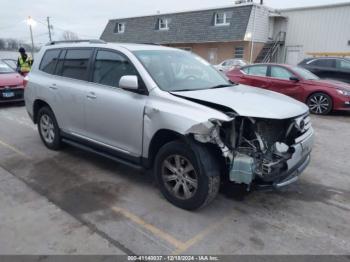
(24,62)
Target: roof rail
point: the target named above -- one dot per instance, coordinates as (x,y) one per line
(90,41)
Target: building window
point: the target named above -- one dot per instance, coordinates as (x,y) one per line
(163,24)
(239,52)
(119,28)
(221,19)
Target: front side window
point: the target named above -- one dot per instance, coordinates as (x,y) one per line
(343,64)
(49,61)
(221,19)
(119,28)
(178,70)
(163,24)
(256,70)
(327,63)
(280,72)
(76,63)
(109,67)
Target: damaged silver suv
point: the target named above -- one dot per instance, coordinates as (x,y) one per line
(167,109)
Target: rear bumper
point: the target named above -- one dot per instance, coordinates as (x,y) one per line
(18,95)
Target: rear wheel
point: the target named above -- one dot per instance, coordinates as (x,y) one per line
(48,129)
(182,178)
(320,104)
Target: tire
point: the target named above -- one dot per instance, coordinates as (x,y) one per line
(182,178)
(48,129)
(320,103)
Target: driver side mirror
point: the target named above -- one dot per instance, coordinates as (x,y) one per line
(129,82)
(294,78)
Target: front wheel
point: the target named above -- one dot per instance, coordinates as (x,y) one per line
(320,104)
(182,179)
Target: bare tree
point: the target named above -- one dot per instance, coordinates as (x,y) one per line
(69,35)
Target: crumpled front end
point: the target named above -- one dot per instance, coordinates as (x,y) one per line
(260,152)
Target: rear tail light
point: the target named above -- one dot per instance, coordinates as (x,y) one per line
(25,81)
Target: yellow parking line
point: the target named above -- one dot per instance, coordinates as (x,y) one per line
(149,227)
(17,151)
(194,240)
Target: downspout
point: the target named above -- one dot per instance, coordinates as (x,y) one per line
(253,35)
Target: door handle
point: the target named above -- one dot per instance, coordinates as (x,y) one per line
(91,95)
(53,87)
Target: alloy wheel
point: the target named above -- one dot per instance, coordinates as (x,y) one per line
(47,128)
(319,104)
(179,176)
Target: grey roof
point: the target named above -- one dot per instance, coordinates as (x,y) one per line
(184,27)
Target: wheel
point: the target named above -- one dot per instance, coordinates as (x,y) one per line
(48,129)
(182,177)
(320,104)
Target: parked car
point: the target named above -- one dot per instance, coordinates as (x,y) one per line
(329,67)
(322,96)
(11,84)
(157,107)
(10,62)
(230,64)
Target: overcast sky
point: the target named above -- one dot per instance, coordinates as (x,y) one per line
(88,18)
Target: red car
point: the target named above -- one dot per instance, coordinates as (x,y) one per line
(11,84)
(322,96)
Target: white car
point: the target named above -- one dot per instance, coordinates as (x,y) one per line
(230,64)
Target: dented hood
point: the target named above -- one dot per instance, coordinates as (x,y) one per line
(248,101)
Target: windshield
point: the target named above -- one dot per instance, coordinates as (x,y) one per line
(306,74)
(176,70)
(5,68)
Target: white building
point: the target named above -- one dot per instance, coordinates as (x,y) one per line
(322,29)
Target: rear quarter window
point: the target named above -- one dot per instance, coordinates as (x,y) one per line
(49,61)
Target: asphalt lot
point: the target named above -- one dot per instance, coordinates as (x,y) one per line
(123,207)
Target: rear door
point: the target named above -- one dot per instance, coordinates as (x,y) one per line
(255,76)
(71,88)
(114,116)
(280,82)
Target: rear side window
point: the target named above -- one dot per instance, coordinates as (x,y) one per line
(76,63)
(48,63)
(110,67)
(256,70)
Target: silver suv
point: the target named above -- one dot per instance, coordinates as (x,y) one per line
(156,107)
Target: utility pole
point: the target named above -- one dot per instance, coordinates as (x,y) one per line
(49,27)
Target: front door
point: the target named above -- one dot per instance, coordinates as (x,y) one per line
(114,116)
(280,82)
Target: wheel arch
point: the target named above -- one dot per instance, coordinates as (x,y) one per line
(160,138)
(37,105)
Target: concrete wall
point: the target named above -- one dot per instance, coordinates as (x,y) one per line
(320,29)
